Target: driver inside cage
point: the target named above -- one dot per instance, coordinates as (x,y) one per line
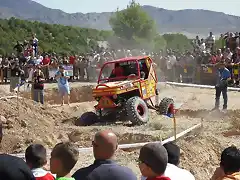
(118,71)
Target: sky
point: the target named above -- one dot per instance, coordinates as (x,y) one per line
(85,6)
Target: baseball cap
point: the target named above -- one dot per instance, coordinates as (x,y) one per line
(155,156)
(14,168)
(173,153)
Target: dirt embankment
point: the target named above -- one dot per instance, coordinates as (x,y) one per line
(26,122)
(77,95)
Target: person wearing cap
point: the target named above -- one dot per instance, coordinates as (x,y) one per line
(63,85)
(104,168)
(153,159)
(14,168)
(223,76)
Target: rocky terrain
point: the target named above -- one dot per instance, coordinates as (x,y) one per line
(26,122)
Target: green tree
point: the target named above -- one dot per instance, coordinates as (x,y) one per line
(178,42)
(133,23)
(159,43)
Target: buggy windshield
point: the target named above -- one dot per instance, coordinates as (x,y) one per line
(119,71)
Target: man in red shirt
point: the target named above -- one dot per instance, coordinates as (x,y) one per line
(118,70)
(72,61)
(45,66)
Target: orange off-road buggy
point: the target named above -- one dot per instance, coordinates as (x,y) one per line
(128,94)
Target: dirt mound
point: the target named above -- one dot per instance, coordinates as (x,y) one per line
(200,155)
(78,94)
(25,122)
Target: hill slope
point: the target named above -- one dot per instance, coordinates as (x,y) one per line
(185,21)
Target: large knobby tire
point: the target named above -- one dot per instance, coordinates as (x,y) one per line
(87,119)
(166,106)
(137,111)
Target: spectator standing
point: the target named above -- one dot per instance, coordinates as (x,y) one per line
(72,62)
(63,85)
(171,62)
(232,41)
(153,160)
(219,55)
(38,85)
(202,45)
(45,66)
(223,41)
(36,158)
(104,168)
(35,45)
(14,168)
(5,66)
(229,165)
(172,170)
(210,42)
(223,76)
(16,73)
(19,48)
(64,156)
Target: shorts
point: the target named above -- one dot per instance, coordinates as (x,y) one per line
(64,90)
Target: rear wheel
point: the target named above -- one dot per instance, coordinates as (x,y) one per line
(166,106)
(137,111)
(87,119)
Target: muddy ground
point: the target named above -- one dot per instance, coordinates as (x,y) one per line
(26,122)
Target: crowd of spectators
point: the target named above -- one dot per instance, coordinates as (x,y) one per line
(172,63)
(206,53)
(155,162)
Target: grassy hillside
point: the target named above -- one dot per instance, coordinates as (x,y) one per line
(52,37)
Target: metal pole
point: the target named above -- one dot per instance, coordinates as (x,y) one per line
(18,88)
(174,127)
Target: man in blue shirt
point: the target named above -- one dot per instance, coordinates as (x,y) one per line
(63,85)
(223,75)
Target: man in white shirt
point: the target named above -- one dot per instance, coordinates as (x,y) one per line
(173,171)
(171,62)
(210,42)
(202,46)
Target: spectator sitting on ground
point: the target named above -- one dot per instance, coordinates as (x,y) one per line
(64,156)
(14,168)
(36,159)
(229,165)
(153,160)
(104,168)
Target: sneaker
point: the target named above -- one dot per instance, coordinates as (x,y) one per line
(215,109)
(224,110)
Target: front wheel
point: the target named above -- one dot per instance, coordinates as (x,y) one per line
(137,111)
(166,106)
